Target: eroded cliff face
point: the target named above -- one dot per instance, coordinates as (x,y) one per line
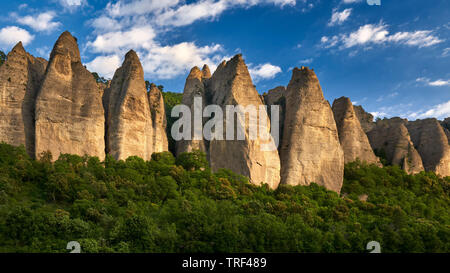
(353,139)
(446,125)
(20,79)
(431,142)
(129,122)
(391,138)
(195,88)
(365,119)
(159,122)
(231,84)
(69,112)
(310,150)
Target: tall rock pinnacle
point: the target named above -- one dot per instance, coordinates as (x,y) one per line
(129,122)
(194,88)
(353,139)
(155,98)
(231,84)
(310,150)
(69,112)
(20,79)
(391,138)
(431,142)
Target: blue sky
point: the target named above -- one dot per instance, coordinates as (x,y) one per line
(393,59)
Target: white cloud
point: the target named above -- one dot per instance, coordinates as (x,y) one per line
(338,18)
(41,22)
(139,37)
(10,36)
(378,34)
(435,83)
(138,7)
(139,24)
(159,61)
(439,111)
(105,65)
(446,52)
(72,5)
(264,71)
(350,1)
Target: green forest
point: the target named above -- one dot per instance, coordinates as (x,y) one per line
(178,205)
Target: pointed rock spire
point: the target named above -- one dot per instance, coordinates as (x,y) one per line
(391,139)
(69,112)
(20,80)
(353,139)
(206,73)
(129,126)
(310,150)
(194,88)
(231,84)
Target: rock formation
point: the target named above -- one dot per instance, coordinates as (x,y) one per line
(194,88)
(431,142)
(446,125)
(365,119)
(231,84)
(69,112)
(310,150)
(391,138)
(20,79)
(129,126)
(353,139)
(277,96)
(159,122)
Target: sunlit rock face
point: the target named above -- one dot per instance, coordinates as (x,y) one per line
(129,129)
(310,150)
(390,138)
(353,139)
(231,84)
(20,79)
(69,112)
(431,142)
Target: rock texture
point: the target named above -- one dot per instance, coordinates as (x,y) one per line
(277,96)
(231,84)
(159,122)
(391,138)
(353,139)
(194,88)
(69,113)
(129,129)
(446,125)
(365,119)
(431,142)
(310,150)
(20,79)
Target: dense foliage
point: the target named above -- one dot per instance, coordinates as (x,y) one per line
(179,205)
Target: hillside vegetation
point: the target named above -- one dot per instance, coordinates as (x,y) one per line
(179,205)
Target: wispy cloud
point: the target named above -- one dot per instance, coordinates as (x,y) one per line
(40,22)
(378,34)
(434,83)
(338,18)
(439,111)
